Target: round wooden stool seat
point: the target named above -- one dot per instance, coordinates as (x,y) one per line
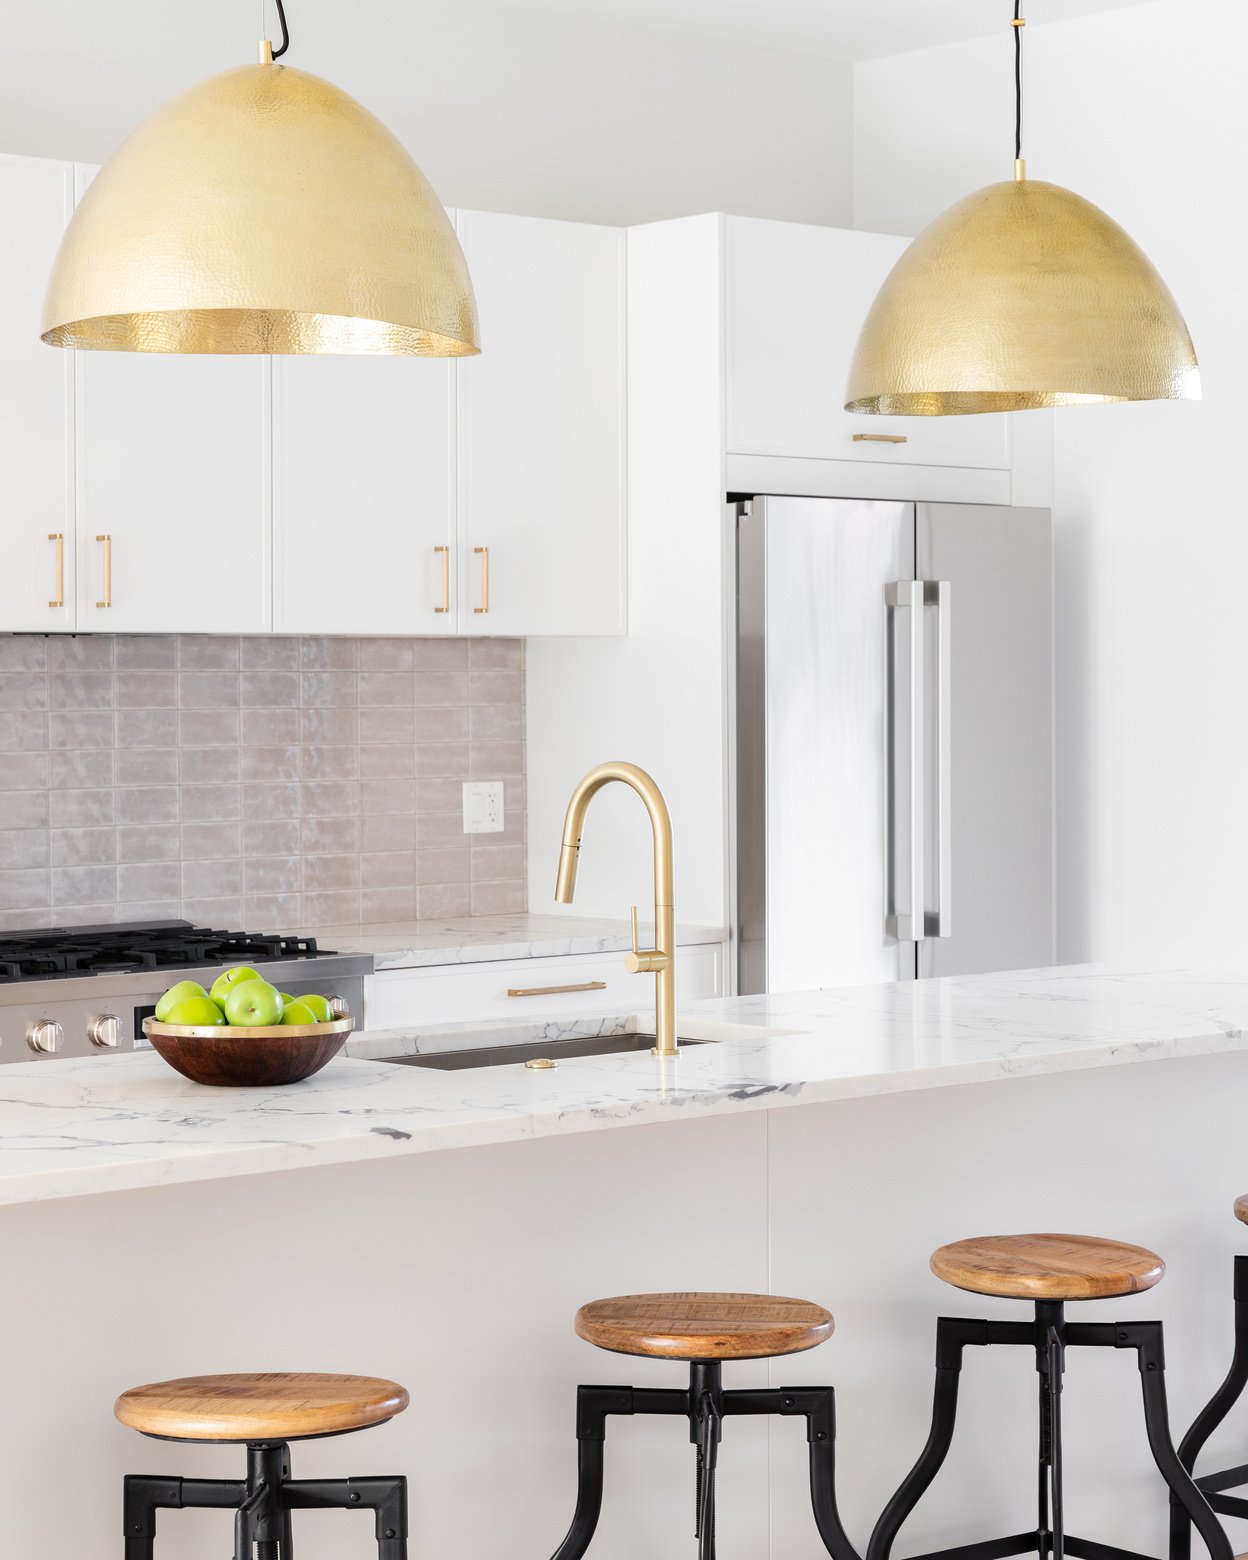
(704,1326)
(1048,1267)
(1241,1208)
(277,1407)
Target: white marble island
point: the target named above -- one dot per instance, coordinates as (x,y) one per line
(442,1227)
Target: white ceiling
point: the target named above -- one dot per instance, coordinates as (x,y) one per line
(842,29)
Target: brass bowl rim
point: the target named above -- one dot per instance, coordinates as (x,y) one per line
(335,1026)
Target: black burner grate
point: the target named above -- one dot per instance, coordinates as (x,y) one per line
(146,945)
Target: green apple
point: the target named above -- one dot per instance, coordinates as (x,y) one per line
(221,986)
(176,994)
(321,1009)
(298,1012)
(253,1002)
(286,998)
(195,1012)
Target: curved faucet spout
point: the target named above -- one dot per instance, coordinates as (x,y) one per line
(659,960)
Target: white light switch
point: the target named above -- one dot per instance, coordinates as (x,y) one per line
(483,807)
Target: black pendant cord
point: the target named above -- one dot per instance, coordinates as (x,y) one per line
(285,43)
(1018,24)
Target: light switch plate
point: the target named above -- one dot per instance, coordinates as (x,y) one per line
(483,807)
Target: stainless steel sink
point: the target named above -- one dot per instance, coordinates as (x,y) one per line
(548,1050)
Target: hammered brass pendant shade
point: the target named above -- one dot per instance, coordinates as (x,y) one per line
(1022,295)
(263,210)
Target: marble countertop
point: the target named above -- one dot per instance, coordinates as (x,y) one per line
(69,1127)
(402,945)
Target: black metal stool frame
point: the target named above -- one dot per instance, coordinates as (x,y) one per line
(262,1504)
(1050,1335)
(1213,1485)
(705,1404)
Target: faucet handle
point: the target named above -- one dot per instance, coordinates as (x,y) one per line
(633,910)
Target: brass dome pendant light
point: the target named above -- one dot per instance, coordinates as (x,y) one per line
(263,210)
(1022,295)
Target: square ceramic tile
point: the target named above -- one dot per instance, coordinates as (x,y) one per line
(148,804)
(84,885)
(144,729)
(208,690)
(148,766)
(269,655)
(269,689)
(24,771)
(207,653)
(25,888)
(270,763)
(86,653)
(389,904)
(146,690)
(82,809)
(271,837)
(385,655)
(329,655)
(80,691)
(145,652)
(328,690)
(24,809)
(23,848)
(440,901)
(149,842)
(23,731)
(80,729)
(23,653)
(209,766)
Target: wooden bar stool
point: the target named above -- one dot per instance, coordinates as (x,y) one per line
(1215,1485)
(262,1412)
(705,1330)
(1048,1270)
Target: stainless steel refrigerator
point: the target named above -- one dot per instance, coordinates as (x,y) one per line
(894,733)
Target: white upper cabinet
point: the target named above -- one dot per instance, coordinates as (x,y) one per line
(541,430)
(363,495)
(796,298)
(36,389)
(173,493)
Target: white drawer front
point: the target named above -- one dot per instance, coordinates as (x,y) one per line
(453,993)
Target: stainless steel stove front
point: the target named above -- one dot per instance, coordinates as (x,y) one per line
(102,1015)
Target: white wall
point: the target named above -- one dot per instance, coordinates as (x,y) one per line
(1140,112)
(505,109)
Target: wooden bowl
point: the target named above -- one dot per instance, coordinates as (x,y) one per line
(247,1057)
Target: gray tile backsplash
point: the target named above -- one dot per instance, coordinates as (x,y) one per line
(266,783)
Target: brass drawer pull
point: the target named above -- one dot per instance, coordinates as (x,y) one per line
(484,554)
(555,991)
(881,438)
(59,538)
(446,579)
(108,572)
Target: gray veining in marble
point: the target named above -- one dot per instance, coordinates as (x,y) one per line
(69,1127)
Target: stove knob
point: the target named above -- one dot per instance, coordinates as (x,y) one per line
(104,1031)
(338,1006)
(45,1035)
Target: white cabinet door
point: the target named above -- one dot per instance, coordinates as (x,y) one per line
(173,492)
(796,298)
(541,429)
(533,989)
(363,495)
(36,405)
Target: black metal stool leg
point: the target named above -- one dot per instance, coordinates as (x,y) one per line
(949,1345)
(1146,1339)
(1213,1413)
(593,1404)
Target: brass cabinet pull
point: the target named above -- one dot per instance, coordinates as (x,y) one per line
(554,991)
(108,572)
(59,538)
(446,579)
(484,553)
(881,438)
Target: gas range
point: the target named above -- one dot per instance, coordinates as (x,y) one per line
(85,990)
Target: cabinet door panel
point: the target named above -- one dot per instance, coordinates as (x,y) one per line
(540,429)
(173,468)
(363,493)
(36,405)
(796,300)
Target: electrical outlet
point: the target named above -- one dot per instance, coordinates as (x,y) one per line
(483,807)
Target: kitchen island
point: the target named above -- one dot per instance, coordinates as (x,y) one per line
(442,1227)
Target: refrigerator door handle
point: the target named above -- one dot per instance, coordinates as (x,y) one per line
(906,914)
(938,922)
